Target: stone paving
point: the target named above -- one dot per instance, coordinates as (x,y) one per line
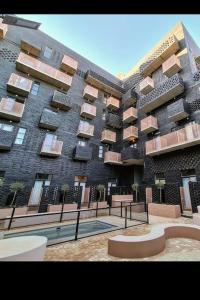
(94,248)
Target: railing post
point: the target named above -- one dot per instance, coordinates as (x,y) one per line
(77,225)
(61,214)
(11,218)
(97,207)
(147,210)
(121,209)
(130,210)
(125,216)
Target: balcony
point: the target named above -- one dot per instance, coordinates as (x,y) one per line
(130,115)
(131,156)
(49,120)
(168,90)
(69,65)
(3,29)
(182,138)
(30,48)
(130,98)
(90,93)
(113,120)
(51,146)
(6,139)
(85,130)
(82,153)
(146,85)
(171,66)
(108,136)
(88,111)
(130,133)
(11,110)
(61,100)
(40,70)
(112,103)
(149,124)
(112,158)
(178,110)
(19,85)
(166,49)
(103,84)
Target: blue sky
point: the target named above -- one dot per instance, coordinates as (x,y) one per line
(114,42)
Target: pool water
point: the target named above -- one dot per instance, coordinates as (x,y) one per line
(67,232)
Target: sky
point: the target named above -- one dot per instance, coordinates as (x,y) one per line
(113,42)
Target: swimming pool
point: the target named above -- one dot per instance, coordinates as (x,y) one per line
(67,232)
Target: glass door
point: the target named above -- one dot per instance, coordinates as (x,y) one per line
(187,198)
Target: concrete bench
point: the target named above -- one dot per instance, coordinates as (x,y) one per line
(152,243)
(26,248)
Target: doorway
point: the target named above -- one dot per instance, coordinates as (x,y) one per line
(41,180)
(81,181)
(112,182)
(187,206)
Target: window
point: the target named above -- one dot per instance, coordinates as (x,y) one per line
(6,127)
(35,88)
(100,151)
(105,98)
(82,143)
(48,52)
(20,136)
(103,116)
(2,174)
(160,177)
(134,145)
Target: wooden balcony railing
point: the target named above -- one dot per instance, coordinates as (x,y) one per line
(108,136)
(182,138)
(10,109)
(130,133)
(90,93)
(30,48)
(171,66)
(3,29)
(19,85)
(112,158)
(88,111)
(149,124)
(40,70)
(112,103)
(69,65)
(146,85)
(51,148)
(166,49)
(130,115)
(85,130)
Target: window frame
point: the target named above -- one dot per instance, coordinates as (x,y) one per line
(20,136)
(46,50)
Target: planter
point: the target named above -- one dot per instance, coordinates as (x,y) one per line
(58,207)
(164,210)
(101,204)
(6,212)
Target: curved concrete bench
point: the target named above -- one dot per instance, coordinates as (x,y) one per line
(152,243)
(26,248)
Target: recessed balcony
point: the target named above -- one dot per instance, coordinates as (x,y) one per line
(69,65)
(171,66)
(131,156)
(30,48)
(130,115)
(88,111)
(165,49)
(6,139)
(49,120)
(108,136)
(103,84)
(61,100)
(82,153)
(19,85)
(40,70)
(11,110)
(182,138)
(130,98)
(113,120)
(112,103)
(146,85)
(149,124)
(130,133)
(85,130)
(3,29)
(168,90)
(90,93)
(112,158)
(178,110)
(51,146)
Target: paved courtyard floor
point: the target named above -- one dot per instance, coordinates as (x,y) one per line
(94,248)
